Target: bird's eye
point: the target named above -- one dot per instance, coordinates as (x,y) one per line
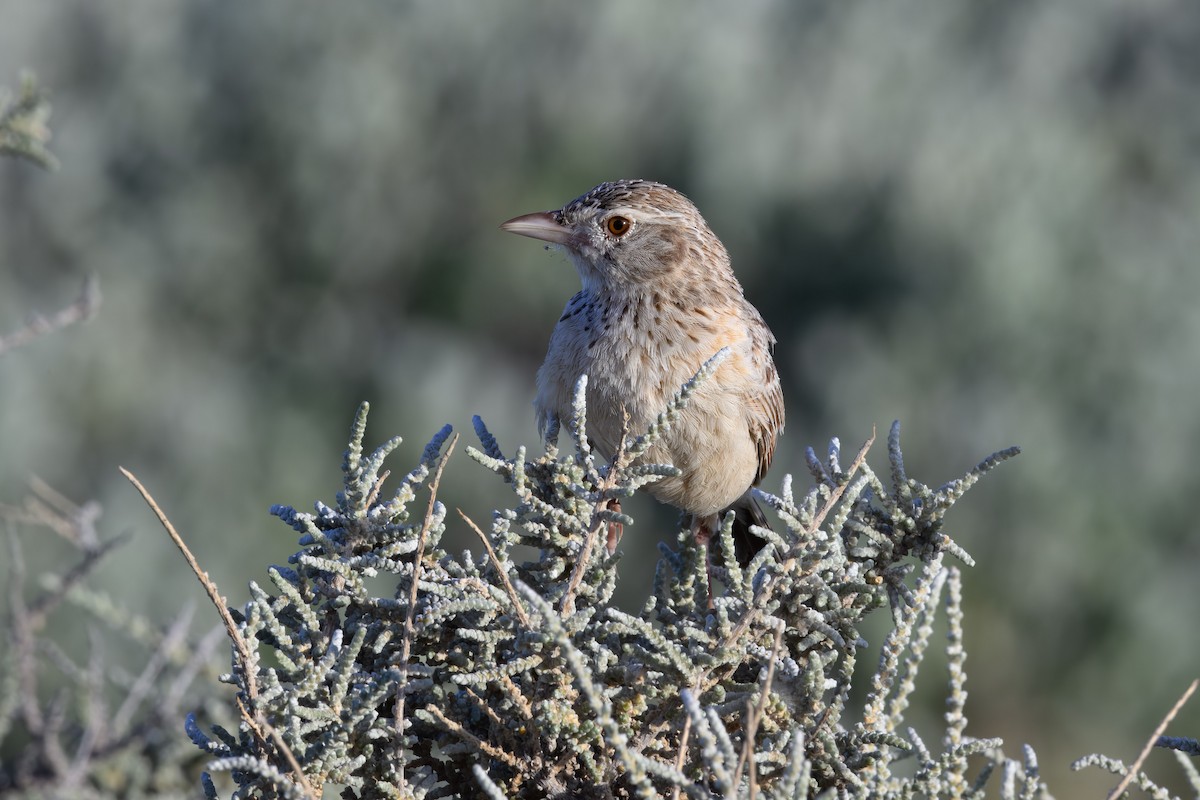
(618,226)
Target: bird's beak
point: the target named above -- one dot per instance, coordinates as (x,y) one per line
(539,225)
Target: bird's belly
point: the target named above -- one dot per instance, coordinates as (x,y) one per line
(710,445)
(631,382)
(708,441)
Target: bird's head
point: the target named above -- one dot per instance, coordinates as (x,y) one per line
(623,234)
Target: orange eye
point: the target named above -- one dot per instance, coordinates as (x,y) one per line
(618,226)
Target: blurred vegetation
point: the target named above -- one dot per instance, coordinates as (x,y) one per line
(977,218)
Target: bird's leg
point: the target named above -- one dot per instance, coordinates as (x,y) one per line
(615,529)
(702,530)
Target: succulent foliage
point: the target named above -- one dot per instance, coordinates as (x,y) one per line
(499,674)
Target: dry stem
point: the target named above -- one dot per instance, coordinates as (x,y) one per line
(1162,726)
(409,627)
(567,606)
(260,726)
(84,308)
(508,587)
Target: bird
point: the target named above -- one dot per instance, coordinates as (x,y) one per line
(658,299)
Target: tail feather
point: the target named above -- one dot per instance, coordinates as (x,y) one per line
(746,543)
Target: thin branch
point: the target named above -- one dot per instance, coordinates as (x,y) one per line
(409,626)
(264,730)
(201,654)
(142,687)
(374,495)
(519,700)
(97,727)
(681,758)
(487,748)
(84,308)
(40,609)
(754,717)
(764,594)
(508,587)
(487,710)
(1162,726)
(22,640)
(49,508)
(231,627)
(567,604)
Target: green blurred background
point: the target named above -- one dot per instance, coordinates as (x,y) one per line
(978,218)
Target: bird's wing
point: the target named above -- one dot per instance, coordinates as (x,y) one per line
(765,406)
(766,422)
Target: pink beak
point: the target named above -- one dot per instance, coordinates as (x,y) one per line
(539,225)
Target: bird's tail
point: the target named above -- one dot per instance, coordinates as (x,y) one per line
(745,542)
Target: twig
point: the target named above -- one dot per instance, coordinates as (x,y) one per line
(41,608)
(257,723)
(764,594)
(754,716)
(519,700)
(199,658)
(22,640)
(97,726)
(83,308)
(1162,726)
(487,748)
(681,758)
(263,729)
(75,523)
(142,687)
(409,626)
(235,635)
(508,587)
(374,495)
(487,710)
(567,605)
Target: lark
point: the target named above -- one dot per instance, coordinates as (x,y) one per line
(658,299)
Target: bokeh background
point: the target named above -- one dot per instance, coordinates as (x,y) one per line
(978,218)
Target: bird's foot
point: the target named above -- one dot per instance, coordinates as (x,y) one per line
(702,530)
(615,529)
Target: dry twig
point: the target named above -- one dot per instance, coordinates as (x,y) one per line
(764,594)
(84,308)
(260,726)
(508,587)
(1162,726)
(409,627)
(754,716)
(567,605)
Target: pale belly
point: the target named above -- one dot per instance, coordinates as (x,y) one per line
(709,441)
